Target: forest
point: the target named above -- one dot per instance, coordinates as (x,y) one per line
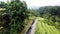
(16,17)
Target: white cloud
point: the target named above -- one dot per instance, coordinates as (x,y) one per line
(39,3)
(3,0)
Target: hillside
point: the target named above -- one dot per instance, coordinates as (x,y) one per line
(43,28)
(52,14)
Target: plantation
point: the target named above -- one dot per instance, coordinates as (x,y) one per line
(44,28)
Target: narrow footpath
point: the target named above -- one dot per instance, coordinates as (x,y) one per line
(33,27)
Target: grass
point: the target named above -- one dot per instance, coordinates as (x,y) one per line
(44,28)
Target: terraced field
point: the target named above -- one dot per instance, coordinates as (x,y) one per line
(43,28)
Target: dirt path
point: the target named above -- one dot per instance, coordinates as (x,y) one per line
(33,27)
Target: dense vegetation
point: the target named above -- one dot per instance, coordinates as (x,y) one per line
(14,14)
(12,18)
(52,14)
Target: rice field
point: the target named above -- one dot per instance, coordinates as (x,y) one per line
(43,28)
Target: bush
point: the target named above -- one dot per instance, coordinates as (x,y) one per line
(16,13)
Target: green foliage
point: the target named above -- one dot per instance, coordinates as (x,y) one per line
(52,14)
(33,12)
(16,13)
(44,28)
(53,10)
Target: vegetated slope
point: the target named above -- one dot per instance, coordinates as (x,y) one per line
(52,14)
(44,28)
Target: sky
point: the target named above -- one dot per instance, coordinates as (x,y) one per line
(40,3)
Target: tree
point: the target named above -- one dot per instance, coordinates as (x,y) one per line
(17,11)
